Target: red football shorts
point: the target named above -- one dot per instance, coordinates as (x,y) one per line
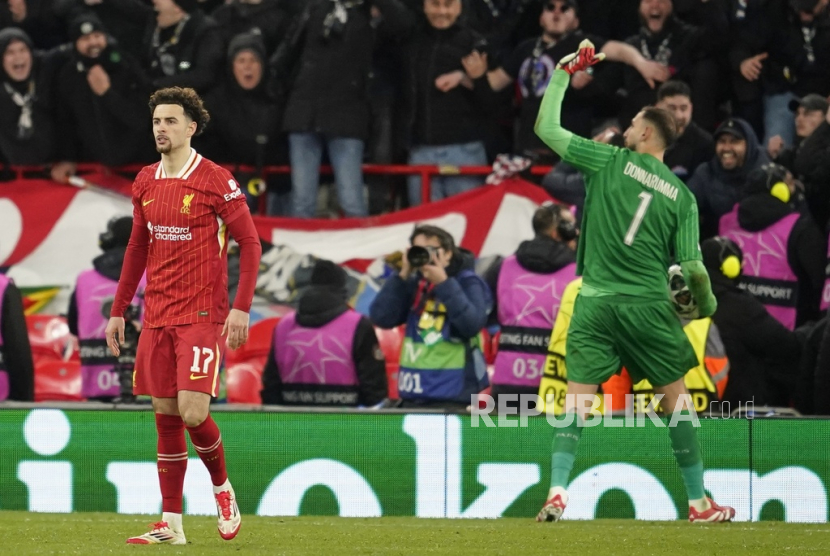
(173,358)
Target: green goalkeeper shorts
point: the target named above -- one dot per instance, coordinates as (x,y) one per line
(642,335)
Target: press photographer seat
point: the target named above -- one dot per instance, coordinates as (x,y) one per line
(244,382)
(58,381)
(50,339)
(390,344)
(257,346)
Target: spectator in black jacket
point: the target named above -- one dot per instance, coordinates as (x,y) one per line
(37,18)
(694,145)
(123,19)
(27,132)
(103,93)
(244,123)
(812,166)
(15,352)
(531,65)
(763,355)
(717,184)
(810,113)
(268,18)
(325,353)
(780,50)
(182,46)
(327,103)
(447,121)
(687,51)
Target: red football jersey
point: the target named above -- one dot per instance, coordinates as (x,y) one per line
(185,215)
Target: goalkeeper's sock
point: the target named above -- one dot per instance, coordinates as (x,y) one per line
(565,444)
(686,450)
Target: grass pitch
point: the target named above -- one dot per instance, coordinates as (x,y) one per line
(23,533)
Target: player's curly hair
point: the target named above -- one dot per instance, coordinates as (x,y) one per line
(663,122)
(188,99)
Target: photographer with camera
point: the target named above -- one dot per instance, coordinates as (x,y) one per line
(105,377)
(444,305)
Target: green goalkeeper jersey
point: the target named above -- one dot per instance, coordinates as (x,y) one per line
(638,216)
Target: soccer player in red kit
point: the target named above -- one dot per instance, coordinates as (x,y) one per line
(183,209)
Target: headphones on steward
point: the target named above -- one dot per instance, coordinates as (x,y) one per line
(776,174)
(730,257)
(565,228)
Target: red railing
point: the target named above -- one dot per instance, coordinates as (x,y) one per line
(426,172)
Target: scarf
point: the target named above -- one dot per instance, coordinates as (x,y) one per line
(24,102)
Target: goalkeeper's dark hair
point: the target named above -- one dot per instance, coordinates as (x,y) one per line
(188,99)
(663,122)
(673,88)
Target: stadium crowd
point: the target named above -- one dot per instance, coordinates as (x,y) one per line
(456,82)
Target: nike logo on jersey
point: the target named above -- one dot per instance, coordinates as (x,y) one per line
(197,377)
(145,203)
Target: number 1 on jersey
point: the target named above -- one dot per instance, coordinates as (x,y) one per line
(645,199)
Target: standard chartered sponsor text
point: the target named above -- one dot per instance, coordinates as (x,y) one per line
(172,233)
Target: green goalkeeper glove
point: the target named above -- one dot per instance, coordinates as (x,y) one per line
(580,60)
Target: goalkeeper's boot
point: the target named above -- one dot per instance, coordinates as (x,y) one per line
(230,519)
(714,514)
(160,533)
(554,507)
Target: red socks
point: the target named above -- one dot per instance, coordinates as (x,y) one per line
(172,461)
(208,443)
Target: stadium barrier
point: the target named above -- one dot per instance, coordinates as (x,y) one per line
(361,464)
(426,172)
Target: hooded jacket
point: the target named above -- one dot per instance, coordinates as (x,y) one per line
(812,165)
(38,147)
(196,55)
(318,306)
(239,116)
(113,128)
(806,248)
(716,189)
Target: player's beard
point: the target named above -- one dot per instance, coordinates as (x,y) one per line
(631,145)
(164,149)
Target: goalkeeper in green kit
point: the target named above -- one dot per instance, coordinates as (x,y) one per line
(637,217)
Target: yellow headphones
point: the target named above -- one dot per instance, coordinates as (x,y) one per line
(730,262)
(775,176)
(256,186)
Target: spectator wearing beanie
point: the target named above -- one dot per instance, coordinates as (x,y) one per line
(717,184)
(244,120)
(27,133)
(124,20)
(101,108)
(182,46)
(325,354)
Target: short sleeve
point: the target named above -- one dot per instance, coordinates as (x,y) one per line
(228,198)
(687,240)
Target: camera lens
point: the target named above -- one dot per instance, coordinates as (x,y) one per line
(418,256)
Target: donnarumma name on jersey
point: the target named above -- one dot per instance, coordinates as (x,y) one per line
(652,181)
